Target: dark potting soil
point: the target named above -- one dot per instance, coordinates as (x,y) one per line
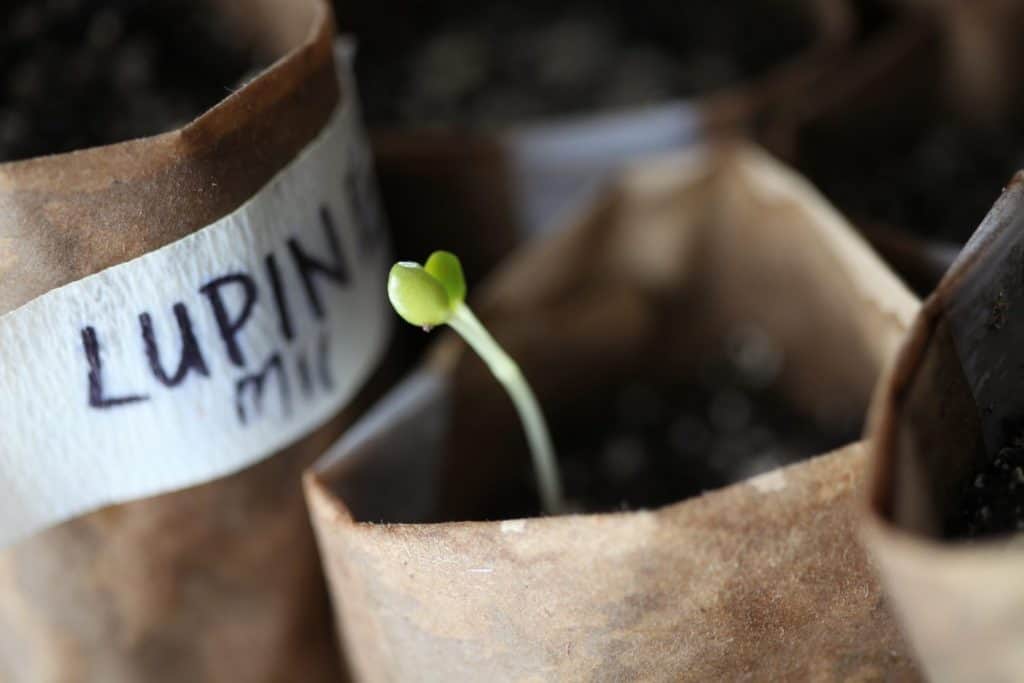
(666,445)
(992,501)
(649,444)
(494,63)
(937,181)
(82,73)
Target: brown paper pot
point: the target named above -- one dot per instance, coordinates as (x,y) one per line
(951,403)
(486,190)
(217,582)
(759,580)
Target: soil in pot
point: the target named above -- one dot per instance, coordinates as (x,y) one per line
(490,64)
(82,73)
(992,498)
(646,443)
(937,179)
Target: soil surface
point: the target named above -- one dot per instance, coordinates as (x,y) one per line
(666,445)
(494,63)
(937,181)
(649,444)
(992,501)
(82,73)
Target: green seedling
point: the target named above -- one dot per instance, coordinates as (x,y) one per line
(435,294)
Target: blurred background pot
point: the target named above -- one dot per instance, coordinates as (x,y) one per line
(985,51)
(509,114)
(220,581)
(716,262)
(946,496)
(914,134)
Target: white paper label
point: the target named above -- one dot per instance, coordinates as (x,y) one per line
(203,357)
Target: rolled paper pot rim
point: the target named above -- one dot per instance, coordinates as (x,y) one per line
(97,166)
(889,403)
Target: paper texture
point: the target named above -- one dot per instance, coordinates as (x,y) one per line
(200,358)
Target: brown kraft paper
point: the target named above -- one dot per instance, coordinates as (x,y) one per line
(761,580)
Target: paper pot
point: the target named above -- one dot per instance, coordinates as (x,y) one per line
(446,182)
(761,580)
(219,581)
(913,135)
(951,404)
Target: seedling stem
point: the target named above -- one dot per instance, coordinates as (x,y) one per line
(435,294)
(508,373)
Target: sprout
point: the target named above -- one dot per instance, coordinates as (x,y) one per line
(431,295)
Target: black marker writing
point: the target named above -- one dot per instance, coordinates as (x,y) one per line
(191,356)
(254,384)
(234,302)
(227,324)
(309,266)
(92,354)
(283,316)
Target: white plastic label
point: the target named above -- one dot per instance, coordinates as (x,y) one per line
(557,167)
(203,357)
